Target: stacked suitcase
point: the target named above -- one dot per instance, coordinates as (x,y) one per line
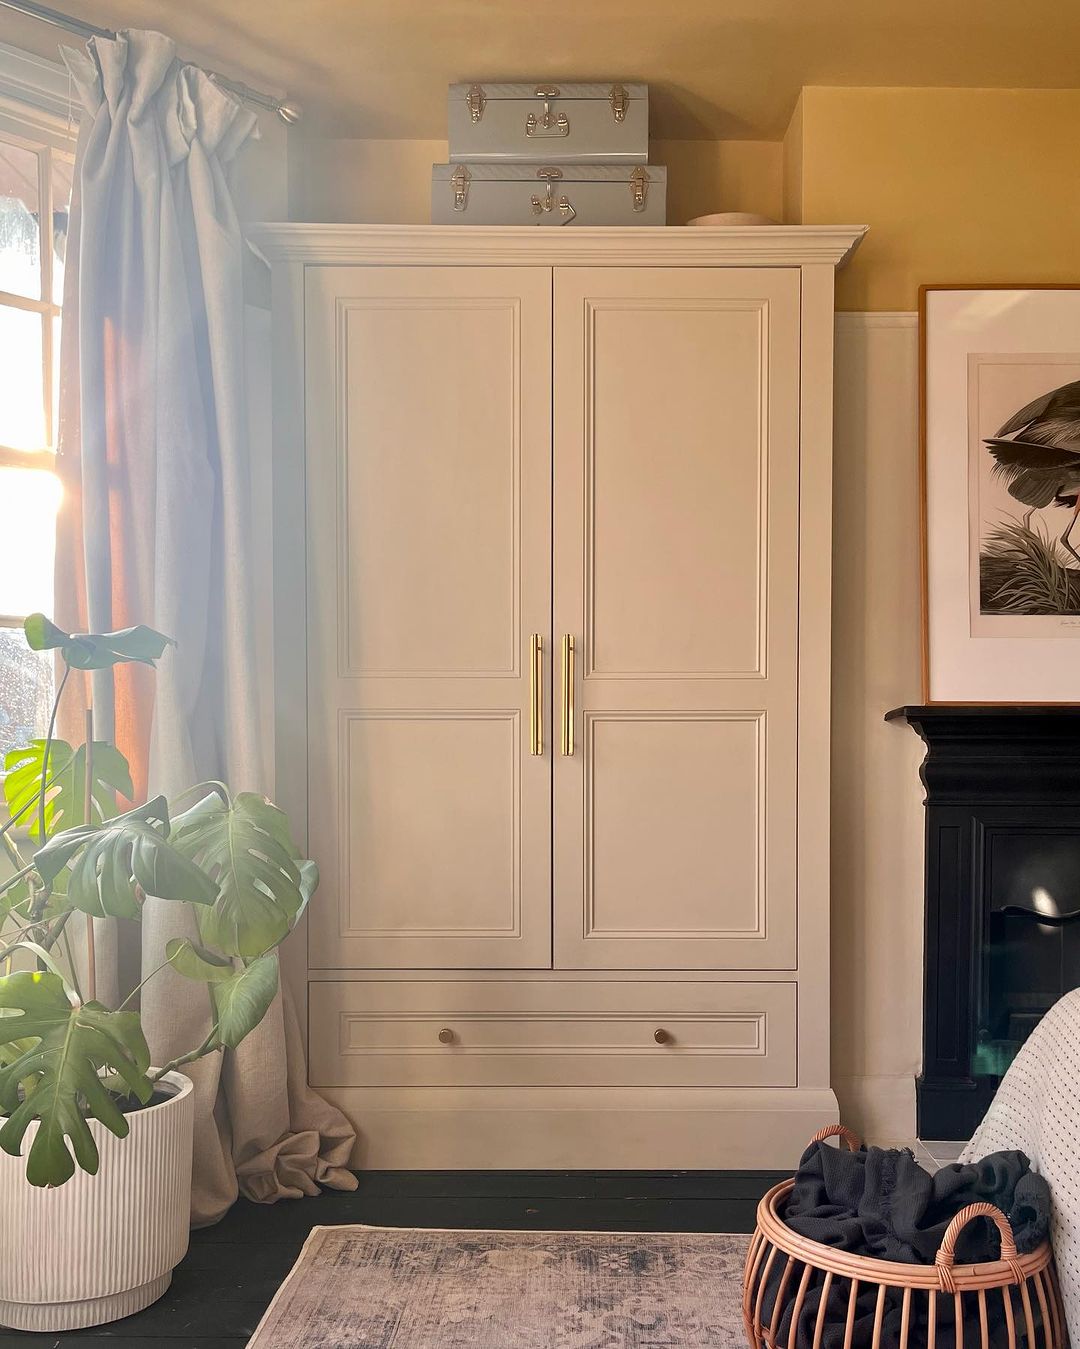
(548,154)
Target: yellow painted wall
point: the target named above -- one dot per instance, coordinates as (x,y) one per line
(955,184)
(389,181)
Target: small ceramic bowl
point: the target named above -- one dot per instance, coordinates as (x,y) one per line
(733,218)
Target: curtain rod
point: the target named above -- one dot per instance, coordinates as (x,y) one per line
(289,112)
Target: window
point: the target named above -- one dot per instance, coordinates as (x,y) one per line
(36,155)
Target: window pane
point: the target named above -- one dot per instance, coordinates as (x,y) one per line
(20,259)
(26,691)
(28,502)
(61,195)
(22,408)
(55,381)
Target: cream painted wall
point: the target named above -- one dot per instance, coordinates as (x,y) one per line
(389,182)
(955,184)
(877,814)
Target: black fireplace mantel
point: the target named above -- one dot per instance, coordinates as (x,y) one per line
(1008,753)
(1002,834)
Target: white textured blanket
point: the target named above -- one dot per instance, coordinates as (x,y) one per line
(1037,1109)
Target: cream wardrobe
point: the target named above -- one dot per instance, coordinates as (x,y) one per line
(551,604)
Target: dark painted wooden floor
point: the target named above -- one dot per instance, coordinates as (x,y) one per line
(232,1270)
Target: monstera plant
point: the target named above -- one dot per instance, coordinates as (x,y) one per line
(66,1058)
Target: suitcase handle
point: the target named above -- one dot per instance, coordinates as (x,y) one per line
(549,202)
(548,125)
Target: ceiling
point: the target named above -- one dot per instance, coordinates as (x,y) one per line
(718,68)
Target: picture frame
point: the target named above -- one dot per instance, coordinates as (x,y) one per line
(999,408)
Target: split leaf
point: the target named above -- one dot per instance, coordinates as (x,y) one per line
(96,650)
(111,862)
(246,847)
(65,802)
(71,1045)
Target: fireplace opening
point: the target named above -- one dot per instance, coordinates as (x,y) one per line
(1031,949)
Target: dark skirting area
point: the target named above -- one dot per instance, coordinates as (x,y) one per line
(231,1272)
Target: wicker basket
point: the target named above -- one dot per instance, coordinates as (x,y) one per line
(1028,1312)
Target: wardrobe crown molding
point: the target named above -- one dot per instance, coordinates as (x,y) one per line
(619,246)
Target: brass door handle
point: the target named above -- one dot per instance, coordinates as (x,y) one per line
(446,1036)
(536,694)
(567,694)
(663,1037)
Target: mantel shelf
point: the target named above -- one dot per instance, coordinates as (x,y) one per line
(619,246)
(982,711)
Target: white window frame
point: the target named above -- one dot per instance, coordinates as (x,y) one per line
(38,110)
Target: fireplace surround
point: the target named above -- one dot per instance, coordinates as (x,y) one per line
(1002,894)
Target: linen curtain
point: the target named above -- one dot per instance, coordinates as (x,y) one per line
(155,459)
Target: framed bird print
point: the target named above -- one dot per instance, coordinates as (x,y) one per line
(1000,432)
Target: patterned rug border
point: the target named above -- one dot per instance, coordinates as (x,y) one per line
(518,1231)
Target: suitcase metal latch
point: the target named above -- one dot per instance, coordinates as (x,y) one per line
(549,201)
(639,188)
(547,124)
(620,101)
(476,103)
(460,183)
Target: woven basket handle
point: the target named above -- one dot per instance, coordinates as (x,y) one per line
(946,1254)
(853,1141)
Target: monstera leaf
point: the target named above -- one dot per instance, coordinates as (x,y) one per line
(241,1002)
(96,650)
(196,962)
(246,847)
(241,996)
(71,1044)
(65,804)
(109,861)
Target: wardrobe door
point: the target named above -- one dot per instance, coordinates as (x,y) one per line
(676,574)
(429,593)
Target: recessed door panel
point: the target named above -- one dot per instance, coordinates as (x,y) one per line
(674,825)
(431,503)
(672,524)
(676,573)
(429,546)
(422,858)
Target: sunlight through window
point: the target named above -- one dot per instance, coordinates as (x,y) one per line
(35,185)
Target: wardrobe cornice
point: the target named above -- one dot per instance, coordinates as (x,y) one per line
(489,245)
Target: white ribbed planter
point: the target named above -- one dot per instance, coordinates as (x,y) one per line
(100,1247)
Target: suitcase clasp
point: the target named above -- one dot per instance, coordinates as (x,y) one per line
(476,103)
(639,188)
(547,124)
(549,202)
(460,183)
(620,101)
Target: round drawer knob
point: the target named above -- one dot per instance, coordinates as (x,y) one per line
(662,1037)
(446,1036)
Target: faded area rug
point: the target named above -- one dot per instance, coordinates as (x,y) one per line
(411,1288)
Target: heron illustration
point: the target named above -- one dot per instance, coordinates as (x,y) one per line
(1037,453)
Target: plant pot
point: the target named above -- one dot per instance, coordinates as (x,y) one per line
(105,1246)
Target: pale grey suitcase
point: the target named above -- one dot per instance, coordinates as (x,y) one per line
(551,194)
(549,123)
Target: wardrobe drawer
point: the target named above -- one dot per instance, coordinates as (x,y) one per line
(551,1033)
